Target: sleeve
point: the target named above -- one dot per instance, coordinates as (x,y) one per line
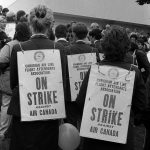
(4,58)
(139,97)
(14,68)
(143,64)
(5,54)
(146,114)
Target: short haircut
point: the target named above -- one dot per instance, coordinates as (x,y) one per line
(96,33)
(5,10)
(61,31)
(115,44)
(41,18)
(22,32)
(80,29)
(133,36)
(20,14)
(140,40)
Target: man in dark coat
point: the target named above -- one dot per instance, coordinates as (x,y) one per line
(80,46)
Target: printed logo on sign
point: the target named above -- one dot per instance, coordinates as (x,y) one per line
(113,73)
(82,58)
(39,56)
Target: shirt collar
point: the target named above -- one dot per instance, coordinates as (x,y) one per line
(95,41)
(62,39)
(80,41)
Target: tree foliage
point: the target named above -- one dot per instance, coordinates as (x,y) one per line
(142,2)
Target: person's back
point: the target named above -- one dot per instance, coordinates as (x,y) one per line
(114,51)
(75,50)
(40,20)
(22,34)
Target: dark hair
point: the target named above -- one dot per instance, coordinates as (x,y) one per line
(133,36)
(3,39)
(51,34)
(23,19)
(5,10)
(61,31)
(96,33)
(80,29)
(22,32)
(145,38)
(115,44)
(20,14)
(133,47)
(141,41)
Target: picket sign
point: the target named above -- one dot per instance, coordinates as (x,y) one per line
(40,85)
(107,104)
(78,65)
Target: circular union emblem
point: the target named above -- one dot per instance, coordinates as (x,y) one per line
(39,56)
(113,73)
(81,58)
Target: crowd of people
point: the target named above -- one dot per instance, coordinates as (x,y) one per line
(114,46)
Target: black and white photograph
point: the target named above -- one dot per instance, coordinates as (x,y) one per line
(74,74)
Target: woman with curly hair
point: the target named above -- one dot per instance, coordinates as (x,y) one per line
(115,45)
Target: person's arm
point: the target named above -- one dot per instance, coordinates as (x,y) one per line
(4,58)
(14,68)
(139,99)
(5,54)
(143,63)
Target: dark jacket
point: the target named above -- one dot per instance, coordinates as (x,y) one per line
(138,106)
(140,59)
(63,42)
(97,45)
(35,43)
(76,48)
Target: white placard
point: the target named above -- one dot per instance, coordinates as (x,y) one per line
(10,29)
(78,65)
(107,104)
(40,85)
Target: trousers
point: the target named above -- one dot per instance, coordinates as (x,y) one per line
(5,119)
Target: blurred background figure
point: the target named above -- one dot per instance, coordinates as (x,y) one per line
(95,36)
(61,34)
(5,11)
(19,15)
(22,34)
(94,25)
(1,8)
(10,16)
(3,37)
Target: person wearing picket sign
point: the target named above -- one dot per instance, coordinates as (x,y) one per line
(112,97)
(80,56)
(37,75)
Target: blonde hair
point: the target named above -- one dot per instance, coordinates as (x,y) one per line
(41,18)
